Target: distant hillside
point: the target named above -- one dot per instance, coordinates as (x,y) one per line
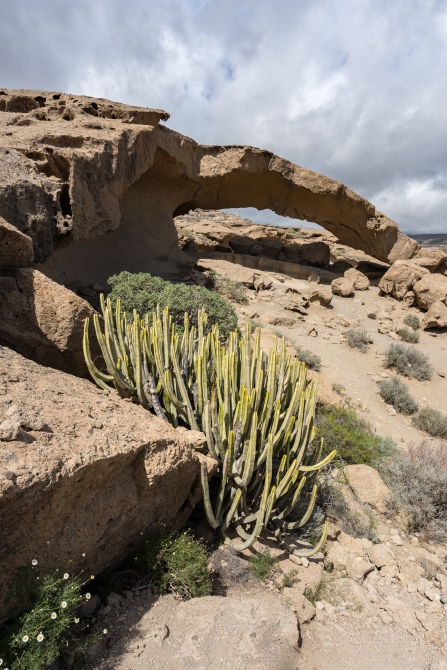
(430,239)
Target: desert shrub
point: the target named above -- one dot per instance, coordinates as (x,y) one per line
(312,361)
(431,421)
(408,335)
(48,624)
(395,393)
(412,321)
(227,288)
(357,339)
(352,436)
(417,478)
(178,563)
(143,292)
(372,315)
(262,565)
(408,361)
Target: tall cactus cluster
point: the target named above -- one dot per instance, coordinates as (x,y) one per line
(256,410)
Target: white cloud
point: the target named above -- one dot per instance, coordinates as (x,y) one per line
(355,90)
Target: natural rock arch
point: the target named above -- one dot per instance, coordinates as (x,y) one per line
(115,179)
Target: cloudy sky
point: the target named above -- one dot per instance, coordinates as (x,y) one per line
(355,89)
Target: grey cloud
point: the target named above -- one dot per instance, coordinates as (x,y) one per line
(355,90)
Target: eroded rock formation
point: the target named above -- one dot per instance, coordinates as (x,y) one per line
(84,474)
(74,168)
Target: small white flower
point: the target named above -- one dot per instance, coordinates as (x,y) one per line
(53,615)
(92,576)
(76,620)
(66,576)
(1,661)
(39,637)
(34,561)
(25,638)
(83,554)
(104,631)
(63,604)
(88,596)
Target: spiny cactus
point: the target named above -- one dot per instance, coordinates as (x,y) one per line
(256,410)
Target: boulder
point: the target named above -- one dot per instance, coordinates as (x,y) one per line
(368,486)
(357,568)
(432,258)
(16,248)
(436,317)
(234,271)
(343,287)
(44,321)
(310,253)
(318,293)
(427,262)
(267,247)
(360,281)
(401,277)
(337,554)
(430,289)
(100,472)
(380,556)
(304,609)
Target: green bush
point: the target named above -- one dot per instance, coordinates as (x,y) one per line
(431,421)
(179,563)
(49,624)
(358,339)
(408,335)
(143,292)
(395,393)
(262,565)
(412,321)
(417,478)
(227,288)
(353,437)
(408,361)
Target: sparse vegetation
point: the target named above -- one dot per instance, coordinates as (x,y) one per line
(408,361)
(183,562)
(356,442)
(431,421)
(143,292)
(358,339)
(408,335)
(394,392)
(312,361)
(227,288)
(417,478)
(372,315)
(48,623)
(413,321)
(262,565)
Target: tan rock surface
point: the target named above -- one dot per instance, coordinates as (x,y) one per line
(343,287)
(16,249)
(430,289)
(99,472)
(43,320)
(360,281)
(436,316)
(400,278)
(369,486)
